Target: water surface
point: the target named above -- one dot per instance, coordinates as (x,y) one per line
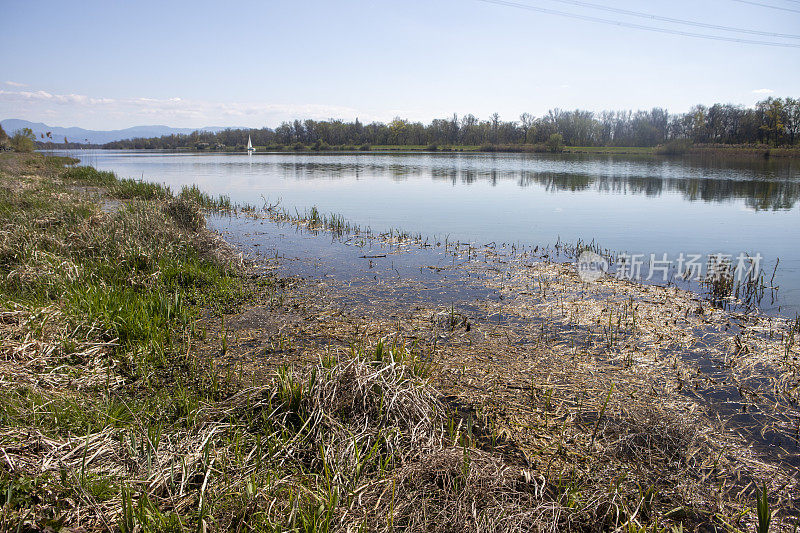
(629,204)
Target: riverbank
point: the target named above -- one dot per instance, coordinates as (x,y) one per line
(750,151)
(718,150)
(158,381)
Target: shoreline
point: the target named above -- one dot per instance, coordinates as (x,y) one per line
(700,150)
(578,410)
(740,297)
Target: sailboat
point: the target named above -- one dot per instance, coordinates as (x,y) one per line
(250,148)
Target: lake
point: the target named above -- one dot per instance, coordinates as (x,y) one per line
(639,205)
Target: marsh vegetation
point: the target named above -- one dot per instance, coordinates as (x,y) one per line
(153,382)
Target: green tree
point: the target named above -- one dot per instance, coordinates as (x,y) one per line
(399,129)
(697,118)
(23,140)
(555,143)
(4,140)
(526,121)
(792,120)
(772,114)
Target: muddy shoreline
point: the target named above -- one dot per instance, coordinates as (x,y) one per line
(504,327)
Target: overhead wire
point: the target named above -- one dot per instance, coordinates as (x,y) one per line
(767,6)
(677,21)
(620,23)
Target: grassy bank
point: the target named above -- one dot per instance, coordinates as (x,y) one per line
(747,151)
(102,281)
(720,150)
(120,414)
(152,382)
(636,150)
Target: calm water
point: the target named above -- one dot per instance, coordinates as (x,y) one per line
(635,205)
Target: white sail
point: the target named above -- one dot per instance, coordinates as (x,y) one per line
(250,145)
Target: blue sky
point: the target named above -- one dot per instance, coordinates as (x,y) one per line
(115,64)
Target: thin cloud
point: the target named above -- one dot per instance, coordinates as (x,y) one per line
(56,98)
(762,91)
(15,84)
(70,108)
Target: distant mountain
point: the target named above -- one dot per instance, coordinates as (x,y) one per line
(80,135)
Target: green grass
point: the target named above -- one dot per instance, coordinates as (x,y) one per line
(121,189)
(641,150)
(114,384)
(638,150)
(109,294)
(111,285)
(424,147)
(204,200)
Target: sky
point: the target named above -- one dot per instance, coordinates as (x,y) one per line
(114,64)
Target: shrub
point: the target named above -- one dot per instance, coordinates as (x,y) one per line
(5,142)
(674,147)
(555,143)
(23,140)
(186,213)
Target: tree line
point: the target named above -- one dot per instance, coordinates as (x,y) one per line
(773,121)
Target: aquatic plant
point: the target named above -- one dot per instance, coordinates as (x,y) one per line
(764,515)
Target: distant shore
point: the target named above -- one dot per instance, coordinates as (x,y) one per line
(718,150)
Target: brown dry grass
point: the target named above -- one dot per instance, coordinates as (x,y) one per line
(535,368)
(561,407)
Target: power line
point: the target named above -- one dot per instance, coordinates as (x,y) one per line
(677,21)
(637,26)
(767,5)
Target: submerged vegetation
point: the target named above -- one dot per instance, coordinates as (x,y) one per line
(152,382)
